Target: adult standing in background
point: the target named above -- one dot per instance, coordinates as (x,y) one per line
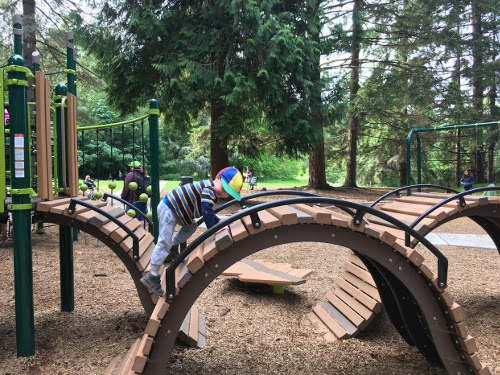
(131,196)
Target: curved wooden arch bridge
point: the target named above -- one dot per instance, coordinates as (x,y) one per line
(385,268)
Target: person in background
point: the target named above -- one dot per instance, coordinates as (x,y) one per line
(131,196)
(90,185)
(467,180)
(172,210)
(249,173)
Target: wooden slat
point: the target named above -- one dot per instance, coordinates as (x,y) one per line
(41,154)
(418,209)
(357,306)
(192,337)
(347,311)
(360,273)
(110,227)
(223,239)
(433,201)
(361,285)
(331,323)
(481,200)
(247,221)
(119,234)
(320,217)
(145,259)
(46,206)
(209,248)
(128,242)
(350,328)
(341,220)
(286,216)
(238,230)
(362,297)
(422,227)
(141,359)
(144,243)
(302,217)
(316,321)
(99,220)
(128,360)
(195,261)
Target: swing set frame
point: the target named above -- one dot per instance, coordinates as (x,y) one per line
(419,148)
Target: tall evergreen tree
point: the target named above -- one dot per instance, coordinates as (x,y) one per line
(248,62)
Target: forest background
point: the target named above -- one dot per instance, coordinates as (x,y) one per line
(328,89)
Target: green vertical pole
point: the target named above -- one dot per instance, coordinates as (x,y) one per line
(21,200)
(419,160)
(155,162)
(71,63)
(3,182)
(71,78)
(408,161)
(65,232)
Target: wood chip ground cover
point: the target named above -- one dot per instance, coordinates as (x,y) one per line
(249,330)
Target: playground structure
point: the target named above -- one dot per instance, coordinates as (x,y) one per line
(382,237)
(457,128)
(48,173)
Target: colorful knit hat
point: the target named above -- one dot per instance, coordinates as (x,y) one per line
(232,181)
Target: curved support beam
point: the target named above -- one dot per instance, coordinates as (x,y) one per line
(143,293)
(390,261)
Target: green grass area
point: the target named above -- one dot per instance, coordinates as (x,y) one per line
(298,181)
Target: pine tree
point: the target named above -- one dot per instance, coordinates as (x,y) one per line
(250,63)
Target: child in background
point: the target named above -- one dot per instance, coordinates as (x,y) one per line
(467,180)
(182,206)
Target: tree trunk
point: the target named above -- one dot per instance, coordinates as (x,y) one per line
(317,176)
(458,165)
(477,60)
(218,149)
(29,39)
(317,173)
(402,172)
(352,139)
(491,158)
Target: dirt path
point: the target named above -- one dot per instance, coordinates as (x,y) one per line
(249,331)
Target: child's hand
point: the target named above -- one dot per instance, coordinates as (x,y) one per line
(222,229)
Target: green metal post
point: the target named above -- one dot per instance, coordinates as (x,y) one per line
(3,182)
(419,160)
(21,199)
(155,162)
(71,63)
(71,78)
(65,233)
(66,269)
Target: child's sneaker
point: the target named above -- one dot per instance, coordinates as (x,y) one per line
(152,283)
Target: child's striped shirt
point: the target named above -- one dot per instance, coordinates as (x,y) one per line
(186,200)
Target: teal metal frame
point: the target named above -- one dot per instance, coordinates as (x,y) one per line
(419,150)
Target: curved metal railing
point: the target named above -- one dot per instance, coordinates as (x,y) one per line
(409,187)
(131,206)
(135,239)
(360,211)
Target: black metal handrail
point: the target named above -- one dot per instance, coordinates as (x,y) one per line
(459,196)
(409,187)
(256,195)
(130,205)
(135,239)
(442,260)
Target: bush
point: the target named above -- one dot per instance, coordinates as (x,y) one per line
(271,167)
